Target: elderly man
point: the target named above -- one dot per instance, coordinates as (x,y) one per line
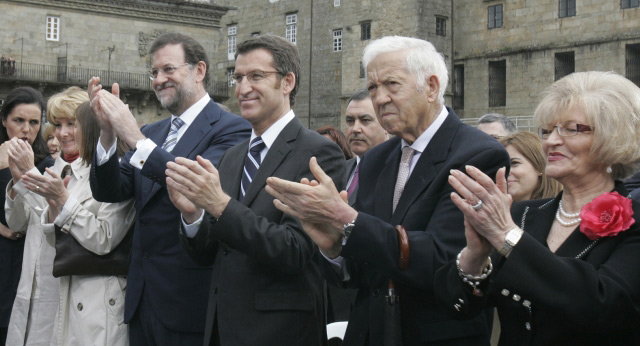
(496,125)
(363,132)
(407,184)
(267,284)
(158,310)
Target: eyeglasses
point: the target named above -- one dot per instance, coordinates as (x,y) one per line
(567,129)
(252,77)
(167,70)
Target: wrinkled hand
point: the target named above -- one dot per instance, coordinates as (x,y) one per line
(108,107)
(493,219)
(4,154)
(20,158)
(51,187)
(199,182)
(319,203)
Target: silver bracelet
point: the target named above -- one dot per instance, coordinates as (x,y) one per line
(474,280)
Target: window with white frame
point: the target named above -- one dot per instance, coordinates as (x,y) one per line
(53,28)
(292,21)
(337,40)
(232,32)
(230,72)
(336,3)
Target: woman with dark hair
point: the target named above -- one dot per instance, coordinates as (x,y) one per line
(337,137)
(21,114)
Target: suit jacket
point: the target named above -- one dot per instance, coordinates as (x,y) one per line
(435,229)
(351,166)
(267,285)
(158,264)
(586,293)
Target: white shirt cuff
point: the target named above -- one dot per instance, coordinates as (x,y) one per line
(144,147)
(103,155)
(191,230)
(338,265)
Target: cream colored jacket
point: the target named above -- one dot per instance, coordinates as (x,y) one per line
(91,308)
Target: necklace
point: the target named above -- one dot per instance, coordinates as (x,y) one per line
(565,214)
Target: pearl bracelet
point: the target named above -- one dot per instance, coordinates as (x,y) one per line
(474,280)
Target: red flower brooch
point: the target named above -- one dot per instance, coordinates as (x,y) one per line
(606,216)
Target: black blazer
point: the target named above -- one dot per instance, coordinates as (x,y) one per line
(587,293)
(436,234)
(176,286)
(267,285)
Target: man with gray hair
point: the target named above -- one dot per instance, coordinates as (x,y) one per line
(404,181)
(496,125)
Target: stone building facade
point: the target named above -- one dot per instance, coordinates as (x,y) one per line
(508,51)
(330,39)
(501,53)
(58,43)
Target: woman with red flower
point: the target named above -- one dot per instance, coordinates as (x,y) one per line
(566,270)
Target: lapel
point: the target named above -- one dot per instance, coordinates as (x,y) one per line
(157,134)
(275,156)
(185,147)
(386,182)
(231,169)
(425,170)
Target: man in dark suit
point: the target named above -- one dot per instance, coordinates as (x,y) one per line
(157,309)
(403,182)
(267,284)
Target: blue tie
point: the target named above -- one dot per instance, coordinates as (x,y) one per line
(251,164)
(172,137)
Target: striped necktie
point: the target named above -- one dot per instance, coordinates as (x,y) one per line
(251,164)
(172,137)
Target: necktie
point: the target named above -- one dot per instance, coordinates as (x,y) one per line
(403,174)
(354,181)
(172,137)
(251,164)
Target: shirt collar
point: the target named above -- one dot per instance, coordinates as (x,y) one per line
(269,136)
(420,144)
(192,112)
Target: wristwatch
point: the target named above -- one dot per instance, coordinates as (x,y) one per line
(348,227)
(510,240)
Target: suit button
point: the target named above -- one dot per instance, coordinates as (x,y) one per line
(112,302)
(80,306)
(145,255)
(376,292)
(141,162)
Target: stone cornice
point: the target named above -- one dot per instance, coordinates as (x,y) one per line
(170,11)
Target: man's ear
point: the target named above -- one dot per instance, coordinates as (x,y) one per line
(432,88)
(288,82)
(201,71)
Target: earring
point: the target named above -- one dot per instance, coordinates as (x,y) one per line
(539,174)
(609,170)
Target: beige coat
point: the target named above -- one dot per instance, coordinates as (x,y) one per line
(91,308)
(38,289)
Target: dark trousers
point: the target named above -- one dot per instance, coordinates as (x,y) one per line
(145,329)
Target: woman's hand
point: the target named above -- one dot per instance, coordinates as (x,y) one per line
(52,188)
(9,234)
(491,216)
(474,255)
(20,158)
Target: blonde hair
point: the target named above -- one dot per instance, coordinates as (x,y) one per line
(611,106)
(530,146)
(63,104)
(48,130)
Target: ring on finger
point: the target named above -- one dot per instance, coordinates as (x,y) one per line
(37,187)
(478,205)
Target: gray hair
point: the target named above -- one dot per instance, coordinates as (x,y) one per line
(423,60)
(507,124)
